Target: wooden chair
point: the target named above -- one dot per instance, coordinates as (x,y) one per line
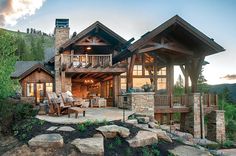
(56,104)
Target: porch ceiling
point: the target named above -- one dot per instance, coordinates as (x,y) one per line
(107,70)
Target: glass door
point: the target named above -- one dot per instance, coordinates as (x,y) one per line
(39,92)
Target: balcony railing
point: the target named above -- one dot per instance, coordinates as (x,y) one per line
(209,100)
(84,60)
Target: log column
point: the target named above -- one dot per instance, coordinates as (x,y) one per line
(194,67)
(130,72)
(116,90)
(170,86)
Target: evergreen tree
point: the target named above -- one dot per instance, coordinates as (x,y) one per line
(7,63)
(21,47)
(202,83)
(179,86)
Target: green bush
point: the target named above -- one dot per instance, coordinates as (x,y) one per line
(110,146)
(81,127)
(11,113)
(128,151)
(228,144)
(146,152)
(117,141)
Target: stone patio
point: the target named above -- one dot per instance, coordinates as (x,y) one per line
(92,114)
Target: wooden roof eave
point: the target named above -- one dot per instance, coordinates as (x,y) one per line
(89,29)
(176,20)
(32,69)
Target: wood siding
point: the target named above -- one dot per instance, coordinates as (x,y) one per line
(34,77)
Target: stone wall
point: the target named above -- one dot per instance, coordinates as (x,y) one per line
(30,100)
(142,103)
(216,126)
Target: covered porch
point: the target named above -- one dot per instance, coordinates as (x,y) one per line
(92,77)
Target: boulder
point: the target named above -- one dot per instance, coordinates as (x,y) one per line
(47,140)
(142,126)
(111,131)
(143,138)
(90,146)
(206,143)
(66,129)
(162,135)
(52,128)
(184,135)
(143,120)
(132,121)
(184,150)
(153,125)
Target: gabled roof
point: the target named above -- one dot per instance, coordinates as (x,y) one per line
(24,68)
(94,26)
(176,20)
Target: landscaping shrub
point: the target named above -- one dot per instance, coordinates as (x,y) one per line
(11,113)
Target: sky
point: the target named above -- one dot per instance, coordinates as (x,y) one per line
(133,18)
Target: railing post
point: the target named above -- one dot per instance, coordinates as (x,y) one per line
(86,58)
(216,100)
(110,60)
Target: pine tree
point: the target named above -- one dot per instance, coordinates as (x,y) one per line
(179,86)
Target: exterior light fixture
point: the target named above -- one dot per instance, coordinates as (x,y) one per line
(88,81)
(88,48)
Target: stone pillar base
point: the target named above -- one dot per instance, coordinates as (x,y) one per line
(216,126)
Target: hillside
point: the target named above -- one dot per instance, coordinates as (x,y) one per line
(219,88)
(32,46)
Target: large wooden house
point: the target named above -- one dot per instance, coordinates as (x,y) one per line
(99,62)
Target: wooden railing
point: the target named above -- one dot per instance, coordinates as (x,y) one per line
(209,100)
(84,60)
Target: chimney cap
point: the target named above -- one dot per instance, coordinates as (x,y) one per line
(62,23)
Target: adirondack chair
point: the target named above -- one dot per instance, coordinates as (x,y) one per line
(70,100)
(56,106)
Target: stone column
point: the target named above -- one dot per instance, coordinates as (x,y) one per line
(216,126)
(192,122)
(142,103)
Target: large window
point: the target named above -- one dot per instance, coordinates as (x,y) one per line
(162,71)
(49,87)
(30,89)
(137,70)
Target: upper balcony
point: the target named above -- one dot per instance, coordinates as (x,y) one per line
(83,63)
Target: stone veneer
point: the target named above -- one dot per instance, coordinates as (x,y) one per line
(61,36)
(216,126)
(142,103)
(192,121)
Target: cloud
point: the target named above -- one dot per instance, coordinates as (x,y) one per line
(12,10)
(229,77)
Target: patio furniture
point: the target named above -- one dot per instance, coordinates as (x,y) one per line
(98,102)
(55,104)
(76,110)
(69,100)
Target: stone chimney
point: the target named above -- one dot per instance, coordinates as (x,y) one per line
(61,33)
